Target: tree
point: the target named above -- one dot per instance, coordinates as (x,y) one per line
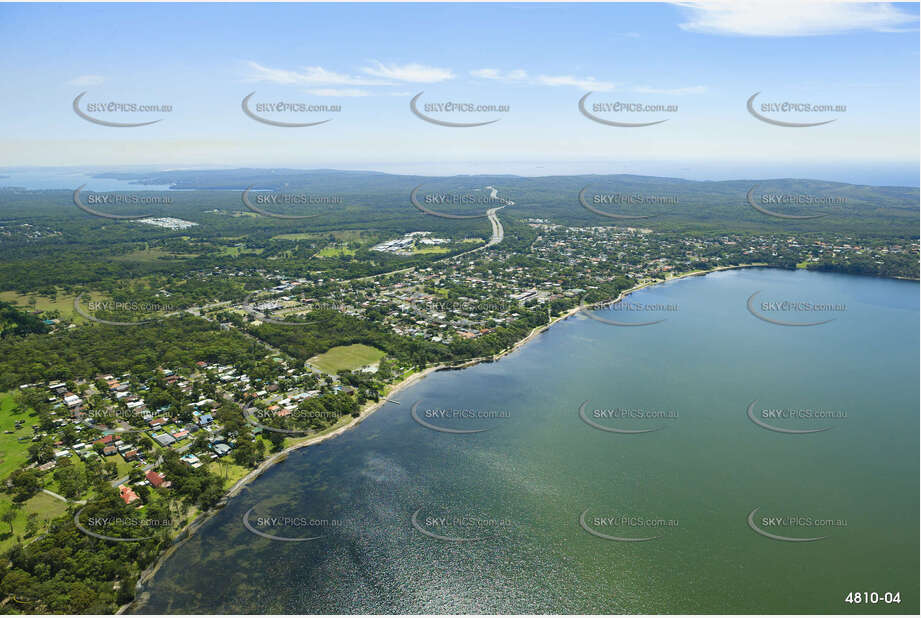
(42,451)
(71,480)
(26,483)
(9,516)
(276,439)
(31,524)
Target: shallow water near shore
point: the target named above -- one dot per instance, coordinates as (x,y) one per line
(410,519)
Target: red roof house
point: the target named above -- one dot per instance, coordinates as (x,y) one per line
(156,479)
(127,494)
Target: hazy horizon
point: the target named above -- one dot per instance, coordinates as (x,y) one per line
(905,174)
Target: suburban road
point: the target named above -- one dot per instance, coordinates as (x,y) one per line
(498,233)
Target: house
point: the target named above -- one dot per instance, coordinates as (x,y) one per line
(164,439)
(105,440)
(157,422)
(72,401)
(220,449)
(205,419)
(127,494)
(130,455)
(191,460)
(156,479)
(109,450)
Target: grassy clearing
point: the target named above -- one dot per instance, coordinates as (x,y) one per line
(148,254)
(12,452)
(349,357)
(335,251)
(63,303)
(229,471)
(429,249)
(301,236)
(46,507)
(232,251)
(338,235)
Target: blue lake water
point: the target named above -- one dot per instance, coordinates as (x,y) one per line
(413,520)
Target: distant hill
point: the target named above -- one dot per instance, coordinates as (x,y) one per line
(678,203)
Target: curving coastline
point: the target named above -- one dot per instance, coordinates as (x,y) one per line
(189,529)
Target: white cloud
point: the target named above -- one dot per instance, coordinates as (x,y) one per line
(671,91)
(521,76)
(311,76)
(583,83)
(792,17)
(414,72)
(508,76)
(339,92)
(87,80)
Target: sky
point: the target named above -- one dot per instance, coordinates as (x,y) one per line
(701,61)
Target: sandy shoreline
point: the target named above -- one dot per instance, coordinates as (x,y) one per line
(370,408)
